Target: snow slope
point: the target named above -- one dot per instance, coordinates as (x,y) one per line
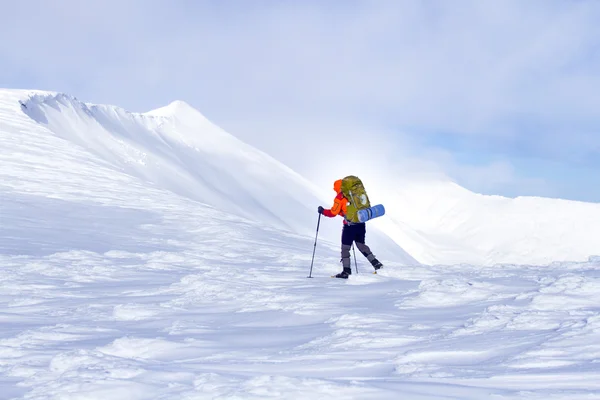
(439,222)
(177,149)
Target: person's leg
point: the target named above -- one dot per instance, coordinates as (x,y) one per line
(347,239)
(364,249)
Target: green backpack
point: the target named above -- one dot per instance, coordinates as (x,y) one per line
(354,191)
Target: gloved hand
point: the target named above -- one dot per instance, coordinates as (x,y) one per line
(320,210)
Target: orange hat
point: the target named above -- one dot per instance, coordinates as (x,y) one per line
(337,186)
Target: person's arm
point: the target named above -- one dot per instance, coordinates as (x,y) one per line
(338,205)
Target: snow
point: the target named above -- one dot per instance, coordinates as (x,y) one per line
(439,222)
(175,150)
(151,256)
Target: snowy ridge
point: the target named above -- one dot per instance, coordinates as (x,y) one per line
(177,149)
(439,222)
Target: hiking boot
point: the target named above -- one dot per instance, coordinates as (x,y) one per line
(377,264)
(342,275)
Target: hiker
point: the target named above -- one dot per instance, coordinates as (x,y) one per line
(353,230)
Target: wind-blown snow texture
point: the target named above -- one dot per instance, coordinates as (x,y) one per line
(129,272)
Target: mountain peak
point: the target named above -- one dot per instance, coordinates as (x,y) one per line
(177,108)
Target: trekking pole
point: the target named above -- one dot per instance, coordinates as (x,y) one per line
(355,263)
(315,247)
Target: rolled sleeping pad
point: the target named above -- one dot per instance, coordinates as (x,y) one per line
(371,212)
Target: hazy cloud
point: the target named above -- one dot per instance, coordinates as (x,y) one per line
(314,82)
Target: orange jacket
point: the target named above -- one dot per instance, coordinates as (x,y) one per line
(339,202)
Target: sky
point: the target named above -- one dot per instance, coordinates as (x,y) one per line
(500,96)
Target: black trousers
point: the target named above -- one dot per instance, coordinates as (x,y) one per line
(354,233)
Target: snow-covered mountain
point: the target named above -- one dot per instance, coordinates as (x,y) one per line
(177,149)
(440,222)
(153,256)
(174,149)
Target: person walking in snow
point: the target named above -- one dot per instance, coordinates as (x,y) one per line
(352,231)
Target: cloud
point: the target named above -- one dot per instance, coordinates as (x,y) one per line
(314,83)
